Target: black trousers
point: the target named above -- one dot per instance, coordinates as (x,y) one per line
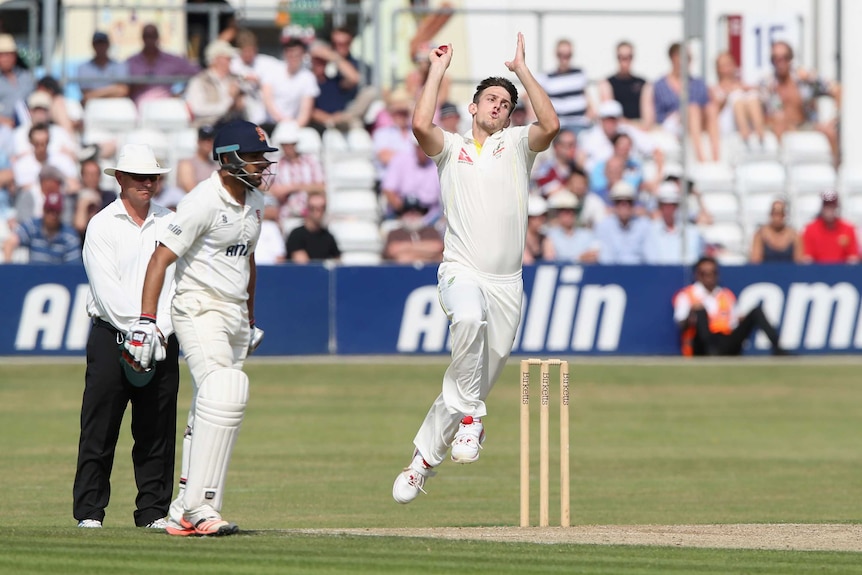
(154,429)
(709,343)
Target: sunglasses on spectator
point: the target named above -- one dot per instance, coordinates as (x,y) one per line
(780,58)
(564,56)
(629,202)
(624,57)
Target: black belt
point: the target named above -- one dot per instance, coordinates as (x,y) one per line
(102,323)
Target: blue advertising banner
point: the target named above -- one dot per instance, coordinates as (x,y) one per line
(567,310)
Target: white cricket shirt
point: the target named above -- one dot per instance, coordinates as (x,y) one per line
(116,254)
(214,236)
(484,197)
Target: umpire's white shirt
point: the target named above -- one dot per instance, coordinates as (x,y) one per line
(484,196)
(116,254)
(214,237)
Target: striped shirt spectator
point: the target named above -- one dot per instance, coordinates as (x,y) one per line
(48,240)
(297,175)
(566,86)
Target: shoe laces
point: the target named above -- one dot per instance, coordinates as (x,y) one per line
(416,477)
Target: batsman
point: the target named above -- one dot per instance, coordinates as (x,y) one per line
(212,240)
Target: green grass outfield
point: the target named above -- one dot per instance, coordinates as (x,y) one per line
(666,444)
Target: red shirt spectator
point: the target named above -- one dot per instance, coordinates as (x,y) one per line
(829,239)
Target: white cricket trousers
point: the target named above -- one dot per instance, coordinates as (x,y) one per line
(213,334)
(484,312)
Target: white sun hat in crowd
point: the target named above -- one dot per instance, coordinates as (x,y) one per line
(137,159)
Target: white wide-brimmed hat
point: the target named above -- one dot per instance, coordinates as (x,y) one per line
(137,159)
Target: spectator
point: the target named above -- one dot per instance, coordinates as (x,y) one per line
(412,174)
(102,77)
(624,87)
(695,208)
(296,175)
(417,77)
(666,236)
(65,112)
(270,248)
(549,174)
(389,140)
(168,195)
(790,97)
(91,197)
(414,241)
(312,241)
(7,196)
(338,105)
(596,145)
(661,106)
(252,67)
(739,107)
(27,170)
(47,239)
(39,105)
(631,169)
(566,86)
(622,234)
(214,94)
(450,117)
(289,94)
(192,171)
(341,40)
(565,242)
(151,61)
(16,83)
(708,320)
(591,207)
(537,216)
(520,116)
(830,239)
(776,242)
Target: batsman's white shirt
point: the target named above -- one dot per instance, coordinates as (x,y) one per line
(213,236)
(484,196)
(116,254)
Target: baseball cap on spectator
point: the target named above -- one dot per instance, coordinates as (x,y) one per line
(829,197)
(412,204)
(241,137)
(449,109)
(39,99)
(563,200)
(610,109)
(7,44)
(622,190)
(285,133)
(218,48)
(53,203)
(536,206)
(668,193)
(100,37)
(206,133)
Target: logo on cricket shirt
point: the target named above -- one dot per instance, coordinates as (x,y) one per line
(464,157)
(498,151)
(175,229)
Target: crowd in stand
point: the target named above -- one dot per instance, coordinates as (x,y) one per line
(607,192)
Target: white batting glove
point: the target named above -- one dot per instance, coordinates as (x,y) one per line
(255,339)
(145,342)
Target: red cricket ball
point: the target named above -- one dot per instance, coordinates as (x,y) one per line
(443,48)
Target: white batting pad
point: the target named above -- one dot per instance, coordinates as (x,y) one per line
(219,409)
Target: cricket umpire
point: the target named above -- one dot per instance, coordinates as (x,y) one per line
(212,240)
(119,242)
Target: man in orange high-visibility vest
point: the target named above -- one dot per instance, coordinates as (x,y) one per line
(709,323)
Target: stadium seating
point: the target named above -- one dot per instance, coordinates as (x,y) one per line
(115,115)
(167,114)
(356,235)
(359,203)
(805,147)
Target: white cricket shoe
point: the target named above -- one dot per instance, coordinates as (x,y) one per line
(90,524)
(468,441)
(160,523)
(411,481)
